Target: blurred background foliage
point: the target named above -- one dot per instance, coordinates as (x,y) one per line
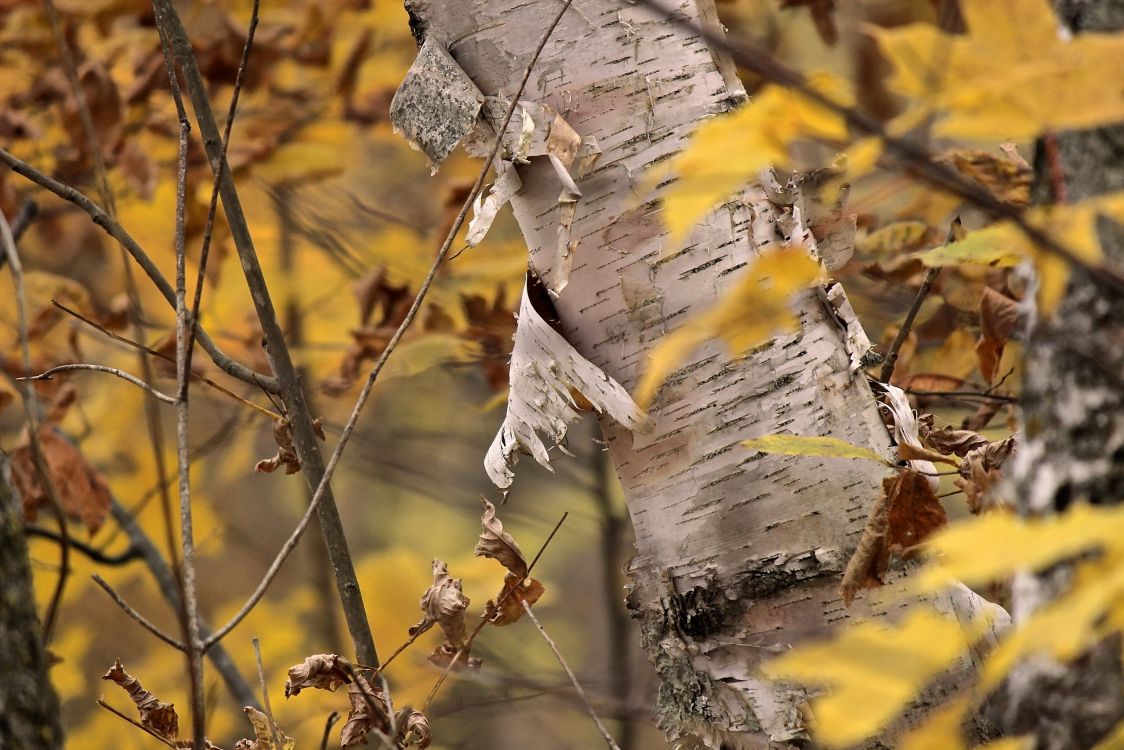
(346,219)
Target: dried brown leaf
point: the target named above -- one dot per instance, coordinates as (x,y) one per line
(368,713)
(999,319)
(413,729)
(158,716)
(286,452)
(905,514)
(82,491)
(959,442)
(444,604)
(1007,179)
(323,671)
(511,598)
(983,415)
(498,544)
(444,654)
(268,736)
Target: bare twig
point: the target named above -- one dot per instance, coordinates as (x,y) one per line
(132,552)
(322,487)
(136,723)
(305,441)
(328,724)
(190,618)
(114,229)
(152,352)
(144,621)
(108,370)
(42,468)
(169,588)
(27,213)
(480,626)
(208,228)
(268,710)
(573,678)
(981,395)
(759,61)
(903,332)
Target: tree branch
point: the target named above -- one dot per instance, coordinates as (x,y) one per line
(141,619)
(114,229)
(108,370)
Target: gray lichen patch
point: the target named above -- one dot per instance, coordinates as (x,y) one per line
(437,104)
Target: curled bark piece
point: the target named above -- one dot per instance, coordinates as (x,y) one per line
(485,210)
(543,369)
(437,104)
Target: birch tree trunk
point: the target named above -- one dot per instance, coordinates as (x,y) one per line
(738,555)
(1073,412)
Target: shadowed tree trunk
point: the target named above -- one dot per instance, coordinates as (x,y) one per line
(29,708)
(738,555)
(1073,412)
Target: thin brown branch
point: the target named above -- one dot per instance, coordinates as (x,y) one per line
(141,619)
(114,229)
(981,395)
(328,724)
(127,555)
(102,368)
(322,485)
(152,352)
(135,723)
(480,626)
(208,228)
(305,440)
(42,468)
(754,58)
(190,600)
(573,678)
(268,710)
(170,590)
(903,332)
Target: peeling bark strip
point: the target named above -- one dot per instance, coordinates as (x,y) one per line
(739,555)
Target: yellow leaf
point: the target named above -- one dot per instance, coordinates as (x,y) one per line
(998,545)
(750,314)
(941,729)
(893,238)
(729,151)
(999,245)
(873,671)
(1011,76)
(794,445)
(1067,626)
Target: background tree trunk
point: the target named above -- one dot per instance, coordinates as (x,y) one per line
(1073,413)
(29,708)
(739,555)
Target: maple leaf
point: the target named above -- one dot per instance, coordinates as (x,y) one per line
(1011,76)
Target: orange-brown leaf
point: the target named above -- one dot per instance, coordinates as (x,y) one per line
(323,671)
(444,604)
(368,712)
(510,600)
(498,544)
(905,514)
(158,716)
(999,318)
(82,491)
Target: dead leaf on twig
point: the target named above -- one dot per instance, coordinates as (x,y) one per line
(368,712)
(158,716)
(905,514)
(510,600)
(498,544)
(286,452)
(323,671)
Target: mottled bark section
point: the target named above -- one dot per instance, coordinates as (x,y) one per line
(739,555)
(1073,402)
(29,708)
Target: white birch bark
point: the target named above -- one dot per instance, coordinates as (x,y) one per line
(738,555)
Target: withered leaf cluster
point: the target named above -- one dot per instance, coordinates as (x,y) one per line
(286,452)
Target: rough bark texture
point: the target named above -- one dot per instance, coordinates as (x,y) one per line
(1073,401)
(739,555)
(29,708)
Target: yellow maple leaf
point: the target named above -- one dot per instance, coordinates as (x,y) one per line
(727,152)
(750,313)
(873,671)
(1012,75)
